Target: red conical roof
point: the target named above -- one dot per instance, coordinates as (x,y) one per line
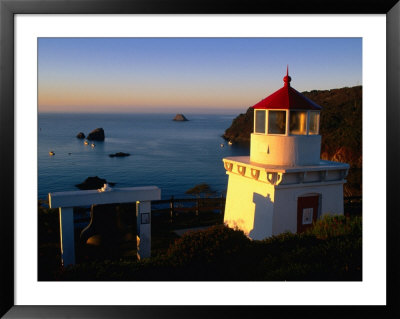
(287,98)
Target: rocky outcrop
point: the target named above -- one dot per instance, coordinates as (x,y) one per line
(180,117)
(241,128)
(93,182)
(119,154)
(80,135)
(96,135)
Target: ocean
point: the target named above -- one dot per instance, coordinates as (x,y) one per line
(174,156)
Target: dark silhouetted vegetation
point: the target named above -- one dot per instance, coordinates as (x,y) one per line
(201,190)
(220,253)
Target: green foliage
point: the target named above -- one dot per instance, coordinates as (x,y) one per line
(200,189)
(48,224)
(341,121)
(338,225)
(207,245)
(48,242)
(331,250)
(221,253)
(310,258)
(218,253)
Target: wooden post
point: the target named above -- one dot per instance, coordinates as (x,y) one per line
(143,238)
(171,209)
(67,238)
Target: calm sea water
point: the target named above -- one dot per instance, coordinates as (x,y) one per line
(174,156)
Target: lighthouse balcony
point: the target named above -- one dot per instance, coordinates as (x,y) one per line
(325,172)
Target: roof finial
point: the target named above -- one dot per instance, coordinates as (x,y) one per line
(287,78)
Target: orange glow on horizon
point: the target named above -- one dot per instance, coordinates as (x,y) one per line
(99,98)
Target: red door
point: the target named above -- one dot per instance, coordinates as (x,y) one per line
(307,212)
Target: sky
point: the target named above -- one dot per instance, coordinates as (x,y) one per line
(186,75)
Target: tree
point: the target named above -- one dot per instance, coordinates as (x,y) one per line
(201,189)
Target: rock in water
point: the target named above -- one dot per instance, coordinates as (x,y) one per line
(93,183)
(96,135)
(180,117)
(80,135)
(119,154)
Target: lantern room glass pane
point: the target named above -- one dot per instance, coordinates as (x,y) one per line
(260,122)
(277,122)
(298,122)
(314,123)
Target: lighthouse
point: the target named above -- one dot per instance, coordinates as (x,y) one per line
(283,186)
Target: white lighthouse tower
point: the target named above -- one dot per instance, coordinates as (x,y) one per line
(283,185)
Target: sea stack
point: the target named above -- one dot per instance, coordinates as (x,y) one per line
(180,117)
(96,135)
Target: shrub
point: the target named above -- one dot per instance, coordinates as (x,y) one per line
(336,225)
(295,257)
(206,246)
(201,189)
(221,253)
(218,253)
(48,242)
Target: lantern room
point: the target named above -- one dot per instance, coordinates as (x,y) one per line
(286,129)
(286,122)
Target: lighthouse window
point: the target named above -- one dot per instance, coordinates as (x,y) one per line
(314,123)
(277,122)
(298,122)
(260,122)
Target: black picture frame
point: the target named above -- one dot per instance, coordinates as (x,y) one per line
(8,8)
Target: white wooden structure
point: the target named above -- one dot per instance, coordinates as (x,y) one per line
(66,201)
(283,185)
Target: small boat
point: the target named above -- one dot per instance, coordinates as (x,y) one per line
(86,143)
(222,145)
(51,153)
(92,145)
(230,143)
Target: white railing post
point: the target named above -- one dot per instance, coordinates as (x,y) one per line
(143,238)
(67,239)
